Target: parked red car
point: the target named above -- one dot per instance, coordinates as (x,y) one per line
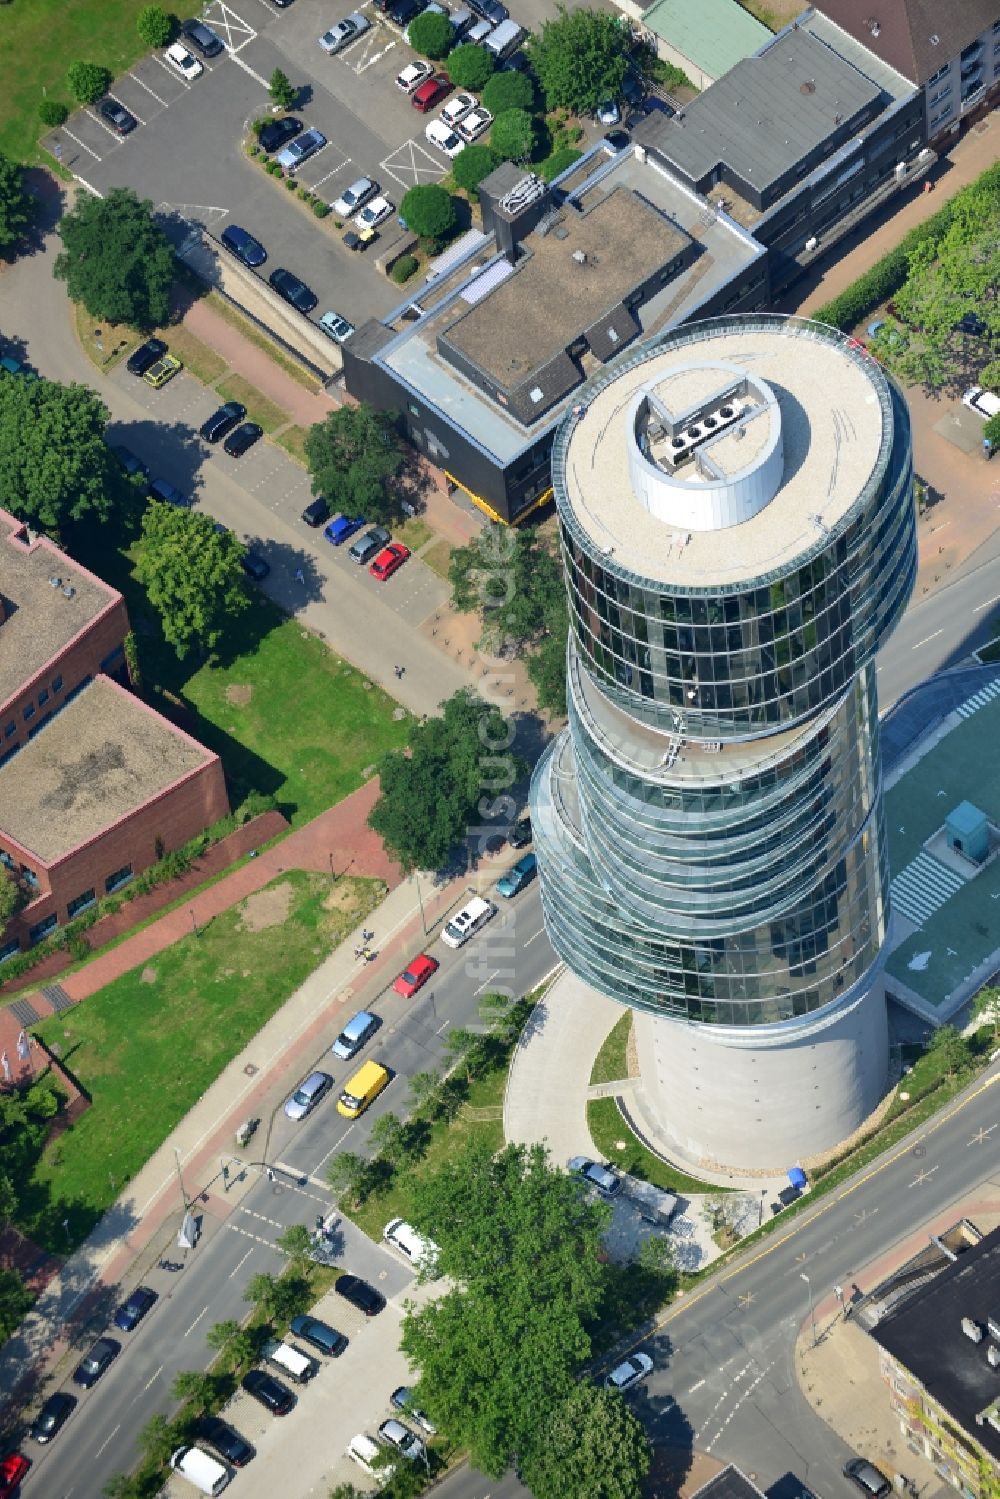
(431,93)
(389,560)
(12,1469)
(416,975)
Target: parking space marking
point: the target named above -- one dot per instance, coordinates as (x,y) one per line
(136,79)
(237,31)
(82,143)
(332,173)
(411,164)
(171,74)
(365,50)
(121,139)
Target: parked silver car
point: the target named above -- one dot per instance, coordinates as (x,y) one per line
(308,1094)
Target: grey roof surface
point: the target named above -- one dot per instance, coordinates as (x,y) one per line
(765,115)
(40,619)
(413,355)
(731,1483)
(925,1335)
(878,69)
(914,36)
(99,759)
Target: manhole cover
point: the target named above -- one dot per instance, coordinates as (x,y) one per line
(920,1151)
(250,1070)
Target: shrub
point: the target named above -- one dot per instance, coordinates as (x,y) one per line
(513,134)
(429,211)
(258,126)
(291,184)
(558,162)
(472,165)
(508,91)
(469,66)
(53,112)
(404,268)
(432,34)
(88,81)
(154,26)
(321,209)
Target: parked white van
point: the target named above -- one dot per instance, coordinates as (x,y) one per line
(505,40)
(208,1475)
(422,1253)
(365,1451)
(468,921)
(290,1360)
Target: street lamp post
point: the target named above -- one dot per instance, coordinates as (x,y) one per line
(812,1309)
(420,901)
(180,1178)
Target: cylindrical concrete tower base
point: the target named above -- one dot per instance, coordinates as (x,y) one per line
(764,1096)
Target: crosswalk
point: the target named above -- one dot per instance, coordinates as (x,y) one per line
(923,887)
(979,699)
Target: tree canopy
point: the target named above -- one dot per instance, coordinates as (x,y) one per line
(469,66)
(116,260)
(154,25)
(580,59)
(508,91)
(16,203)
(10,898)
(88,81)
(432,34)
(499,1353)
(193,576)
(282,91)
(593,1447)
(55,466)
(352,455)
(513,135)
(430,792)
(472,165)
(429,210)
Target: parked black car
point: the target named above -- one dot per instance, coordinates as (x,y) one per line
(90,1368)
(255,566)
(131,1312)
(293,290)
(270,1392)
(237,443)
(53,1416)
(203,37)
(320,1334)
(360,1294)
(130,462)
(277,133)
(972,323)
(316,512)
(490,10)
(403,11)
(117,116)
(520,833)
(222,421)
(227,1442)
(145,356)
(243,245)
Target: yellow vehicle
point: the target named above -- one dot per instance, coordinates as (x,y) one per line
(163,370)
(362,1089)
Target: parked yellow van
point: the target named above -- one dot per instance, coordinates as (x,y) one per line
(362,1089)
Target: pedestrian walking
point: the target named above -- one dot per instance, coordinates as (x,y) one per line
(399,671)
(366,935)
(300,576)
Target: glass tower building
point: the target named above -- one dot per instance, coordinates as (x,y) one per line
(737,525)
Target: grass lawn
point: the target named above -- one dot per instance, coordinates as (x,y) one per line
(414,533)
(607,1128)
(198,359)
(259,408)
(286,716)
(438,557)
(610,1065)
(293,440)
(45,36)
(118,341)
(148,1045)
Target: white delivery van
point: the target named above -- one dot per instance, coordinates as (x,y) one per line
(466,922)
(422,1253)
(290,1360)
(505,40)
(208,1475)
(982,402)
(365,1451)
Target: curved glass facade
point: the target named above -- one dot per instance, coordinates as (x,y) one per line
(708,827)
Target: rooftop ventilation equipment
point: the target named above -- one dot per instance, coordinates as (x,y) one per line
(874,27)
(69,591)
(681,445)
(935,40)
(972,1330)
(580,256)
(528,190)
(55,582)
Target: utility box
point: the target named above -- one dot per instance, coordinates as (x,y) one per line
(968,832)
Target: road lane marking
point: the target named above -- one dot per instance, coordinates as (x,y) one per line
(152,92)
(108,1440)
(156,1376)
(924,1176)
(988,605)
(247,68)
(241,1263)
(197,1319)
(529,940)
(482,986)
(696,1387)
(927,641)
(981,1136)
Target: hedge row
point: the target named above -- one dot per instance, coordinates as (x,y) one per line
(888,274)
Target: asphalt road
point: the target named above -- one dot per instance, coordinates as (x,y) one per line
(100,1440)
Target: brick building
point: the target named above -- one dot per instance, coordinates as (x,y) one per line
(94,785)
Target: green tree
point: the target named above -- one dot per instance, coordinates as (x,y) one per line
(261,1291)
(388,1137)
(431,34)
(593,1447)
(580,59)
(469,66)
(472,165)
(236,1344)
(560,161)
(116,260)
(194,1386)
(88,81)
(353,454)
(17,206)
(193,576)
(951,1047)
(423,1086)
(297,1242)
(347,1175)
(15,1302)
(53,112)
(281,91)
(430,792)
(508,91)
(430,211)
(458,1043)
(55,466)
(547,670)
(501,1351)
(513,135)
(991,427)
(154,26)
(123,1486)
(514,580)
(158,1438)
(10,898)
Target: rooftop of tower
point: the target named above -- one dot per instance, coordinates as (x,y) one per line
(795,427)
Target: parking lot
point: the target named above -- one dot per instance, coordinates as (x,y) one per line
(186,152)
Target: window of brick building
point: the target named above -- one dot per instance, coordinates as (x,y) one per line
(42,928)
(9,729)
(80,903)
(118,879)
(57,684)
(29,711)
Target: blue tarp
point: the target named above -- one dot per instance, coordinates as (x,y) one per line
(797,1177)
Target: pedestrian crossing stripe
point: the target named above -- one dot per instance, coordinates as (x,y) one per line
(979,699)
(923,887)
